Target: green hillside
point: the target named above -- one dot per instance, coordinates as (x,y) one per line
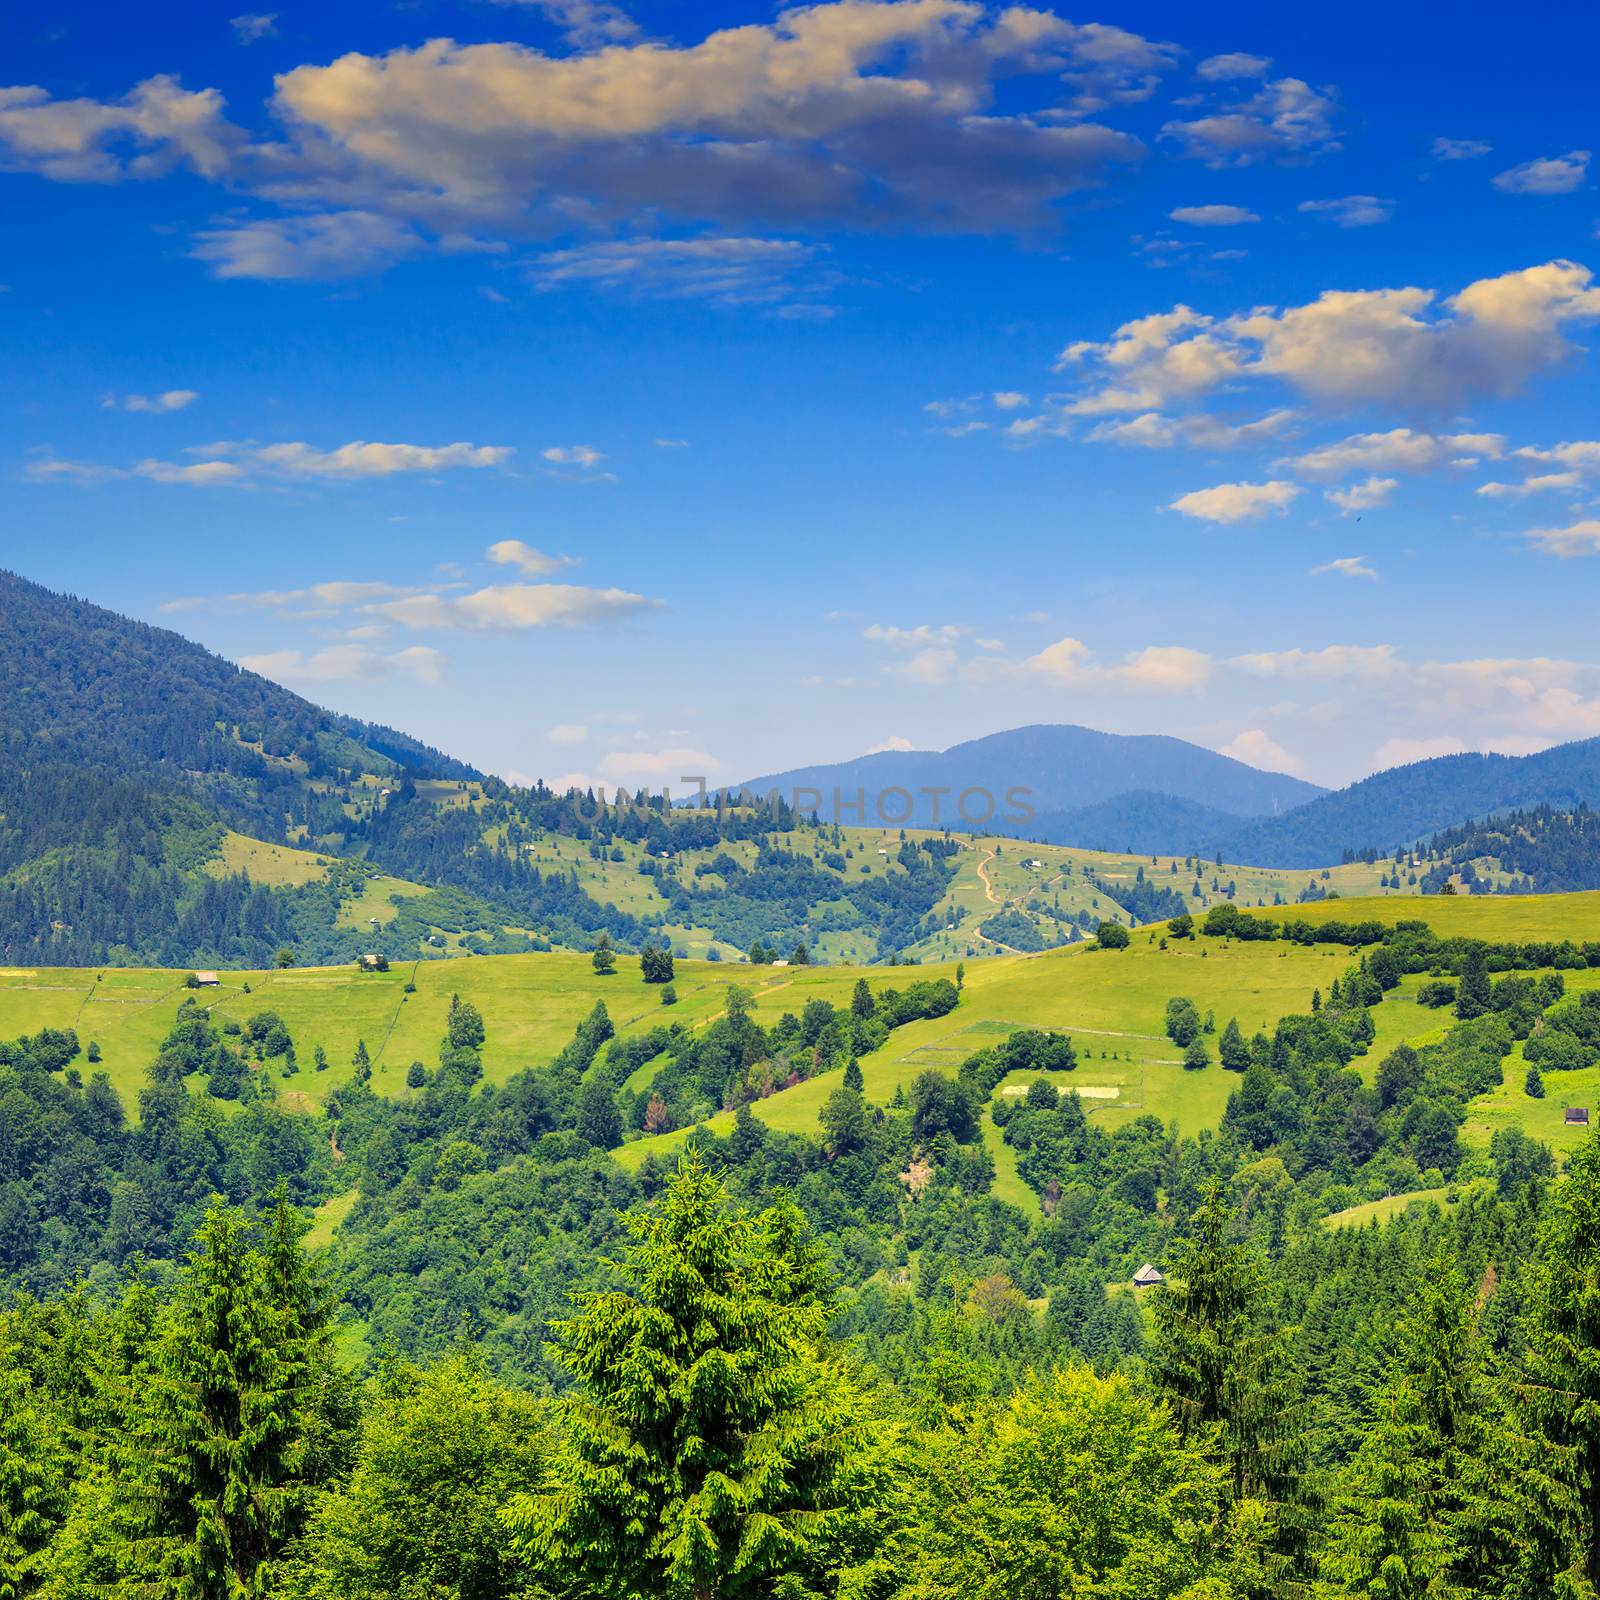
(1111,1004)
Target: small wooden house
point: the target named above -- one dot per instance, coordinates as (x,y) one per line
(206,980)
(374,963)
(1578,1116)
(1148,1276)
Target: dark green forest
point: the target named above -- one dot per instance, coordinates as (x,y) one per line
(827,1364)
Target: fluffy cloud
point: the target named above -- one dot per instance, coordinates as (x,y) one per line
(1236,502)
(1577,539)
(1363,496)
(1552,175)
(346,663)
(535,563)
(169,400)
(895,741)
(1347,348)
(857,111)
(1352,211)
(514,606)
(1398,450)
(1256,748)
(1070,664)
(1582,455)
(1213,216)
(1346,567)
(1286,117)
(157,125)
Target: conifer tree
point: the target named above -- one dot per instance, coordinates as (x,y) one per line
(214,1454)
(1563,1392)
(1224,1365)
(713,1453)
(32,1476)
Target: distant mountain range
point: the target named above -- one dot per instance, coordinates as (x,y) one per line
(1048,770)
(1104,791)
(133,760)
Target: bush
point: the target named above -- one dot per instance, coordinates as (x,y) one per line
(1111,936)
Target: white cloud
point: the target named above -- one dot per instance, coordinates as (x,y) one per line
(1552,175)
(1346,567)
(850,112)
(1398,450)
(1286,117)
(359,459)
(568,733)
(1070,664)
(1582,455)
(515,606)
(1460,149)
(911,638)
(254,26)
(1213,216)
(1236,64)
(157,125)
(196,474)
(669,766)
(1542,483)
(1363,496)
(895,741)
(1153,431)
(580,456)
(1351,211)
(347,663)
(1577,539)
(535,563)
(334,244)
(1335,661)
(1347,348)
(1009,399)
(1236,502)
(169,400)
(1256,748)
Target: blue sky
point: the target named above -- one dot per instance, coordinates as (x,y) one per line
(621,392)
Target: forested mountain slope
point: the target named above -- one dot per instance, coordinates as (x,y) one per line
(1406,804)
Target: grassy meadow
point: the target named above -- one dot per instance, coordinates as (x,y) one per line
(1111,1003)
